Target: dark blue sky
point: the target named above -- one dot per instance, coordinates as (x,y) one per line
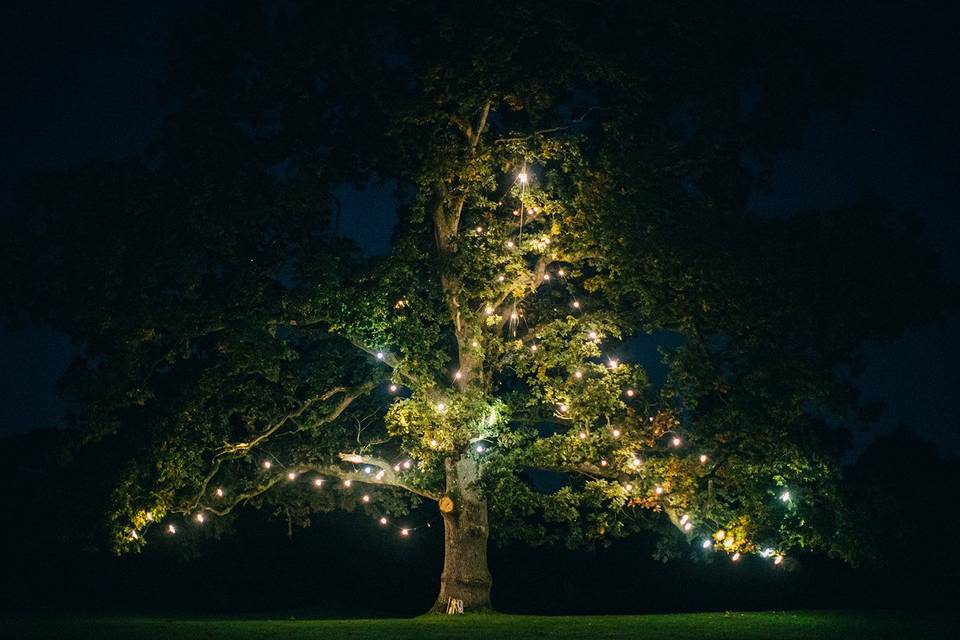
(79,82)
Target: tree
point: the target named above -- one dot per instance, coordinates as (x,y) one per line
(569,177)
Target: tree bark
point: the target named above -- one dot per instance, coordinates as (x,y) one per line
(466,575)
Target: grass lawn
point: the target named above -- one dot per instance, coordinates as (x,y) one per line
(703,626)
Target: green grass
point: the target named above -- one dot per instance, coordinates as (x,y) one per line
(702,626)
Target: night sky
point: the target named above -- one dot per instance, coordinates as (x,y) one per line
(79,82)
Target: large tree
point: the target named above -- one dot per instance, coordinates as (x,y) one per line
(579,328)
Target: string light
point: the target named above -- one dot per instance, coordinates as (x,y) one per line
(318,482)
(267,464)
(479,229)
(637,462)
(561,272)
(703,458)
(583,435)
(347,483)
(200,518)
(458,375)
(576,304)
(592,335)
(134,535)
(404,532)
(533,347)
(603,463)
(676,442)
(707,544)
(735,556)
(488,311)
(441,407)
(291,476)
(578,374)
(615,433)
(510,244)
(368,470)
(501,278)
(628,487)
(433,442)
(219,494)
(149,516)
(684,519)
(546,276)
(785,497)
(630,393)
(171,529)
(612,363)
(407,464)
(393,388)
(479,448)
(383,521)
(778,560)
(365,498)
(379,355)
(522,178)
(658,490)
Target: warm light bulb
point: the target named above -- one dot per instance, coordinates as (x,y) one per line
(513,315)
(479,448)
(135,535)
(379,355)
(612,364)
(458,375)
(628,487)
(441,407)
(721,534)
(479,229)
(703,458)
(576,304)
(778,560)
(522,177)
(396,467)
(488,311)
(735,556)
(636,462)
(380,474)
(171,528)
(433,442)
(785,497)
(383,521)
(688,526)
(291,476)
(150,515)
(684,519)
(593,335)
(676,442)
(707,544)
(407,464)
(561,272)
(603,463)
(365,498)
(616,433)
(501,278)
(318,482)
(728,543)
(267,464)
(630,393)
(533,347)
(546,276)
(474,344)
(347,483)
(658,490)
(200,517)
(562,407)
(404,532)
(368,470)
(393,388)
(583,435)
(510,244)
(578,374)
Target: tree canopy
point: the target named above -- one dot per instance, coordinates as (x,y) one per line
(572,187)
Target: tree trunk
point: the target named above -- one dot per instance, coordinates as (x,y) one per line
(465,576)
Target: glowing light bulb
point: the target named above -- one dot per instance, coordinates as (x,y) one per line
(707,544)
(458,375)
(441,407)
(393,388)
(510,244)
(583,435)
(407,464)
(368,470)
(612,364)
(171,529)
(688,526)
(703,458)
(592,335)
(396,467)
(480,448)
(576,304)
(488,311)
(150,515)
(785,497)
(721,534)
(513,315)
(637,462)
(318,482)
(379,355)
(267,464)
(684,519)
(200,518)
(474,344)
(735,556)
(522,177)
(546,276)
(479,229)
(562,407)
(578,374)
(134,535)
(501,278)
(628,487)
(728,543)
(404,532)
(383,521)
(561,272)
(380,474)
(676,442)
(603,463)
(615,433)
(347,483)
(658,490)
(778,560)
(365,498)
(533,347)
(546,240)
(219,492)
(291,476)
(433,442)
(630,393)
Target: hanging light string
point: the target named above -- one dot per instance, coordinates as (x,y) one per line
(719,540)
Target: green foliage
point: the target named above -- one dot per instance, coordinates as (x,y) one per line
(226,325)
